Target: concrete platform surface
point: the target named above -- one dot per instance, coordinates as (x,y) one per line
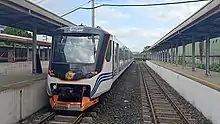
(14,74)
(198,75)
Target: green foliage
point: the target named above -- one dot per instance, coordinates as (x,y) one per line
(17,32)
(201,66)
(215,67)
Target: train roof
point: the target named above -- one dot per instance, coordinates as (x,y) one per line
(81,29)
(86,30)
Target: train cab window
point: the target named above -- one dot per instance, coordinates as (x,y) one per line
(108,55)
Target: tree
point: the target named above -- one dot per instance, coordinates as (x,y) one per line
(16,32)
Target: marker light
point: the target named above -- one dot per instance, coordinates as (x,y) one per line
(51,73)
(94,73)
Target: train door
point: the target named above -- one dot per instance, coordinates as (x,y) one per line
(116,64)
(113,58)
(109,57)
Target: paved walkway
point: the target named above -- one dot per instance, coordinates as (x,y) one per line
(18,73)
(198,75)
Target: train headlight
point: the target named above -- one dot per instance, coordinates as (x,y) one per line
(55,87)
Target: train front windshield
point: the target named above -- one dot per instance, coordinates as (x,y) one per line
(75,49)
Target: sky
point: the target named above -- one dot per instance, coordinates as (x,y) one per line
(135,27)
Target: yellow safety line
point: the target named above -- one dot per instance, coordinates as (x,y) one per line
(191,76)
(200,79)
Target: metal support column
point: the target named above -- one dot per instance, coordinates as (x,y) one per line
(193,55)
(39,50)
(183,55)
(150,55)
(34,51)
(171,53)
(28,53)
(207,56)
(163,55)
(14,52)
(43,55)
(48,53)
(158,56)
(167,55)
(93,13)
(153,55)
(176,56)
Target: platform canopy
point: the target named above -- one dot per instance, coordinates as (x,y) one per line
(205,23)
(28,16)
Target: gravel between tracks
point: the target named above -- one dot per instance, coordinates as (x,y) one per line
(122,104)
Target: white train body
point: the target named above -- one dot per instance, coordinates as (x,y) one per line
(76,86)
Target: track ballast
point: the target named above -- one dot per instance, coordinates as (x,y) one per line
(160,104)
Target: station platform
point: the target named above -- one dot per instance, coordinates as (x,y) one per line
(19,73)
(212,81)
(21,92)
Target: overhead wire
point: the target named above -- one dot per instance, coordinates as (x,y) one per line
(76,8)
(133,5)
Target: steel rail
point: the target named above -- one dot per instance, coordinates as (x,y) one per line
(50,116)
(53,114)
(78,118)
(148,96)
(186,121)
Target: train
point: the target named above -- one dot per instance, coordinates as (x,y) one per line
(85,61)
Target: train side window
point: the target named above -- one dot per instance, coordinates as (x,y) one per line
(108,55)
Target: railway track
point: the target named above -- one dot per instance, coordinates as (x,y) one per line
(161,105)
(53,118)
